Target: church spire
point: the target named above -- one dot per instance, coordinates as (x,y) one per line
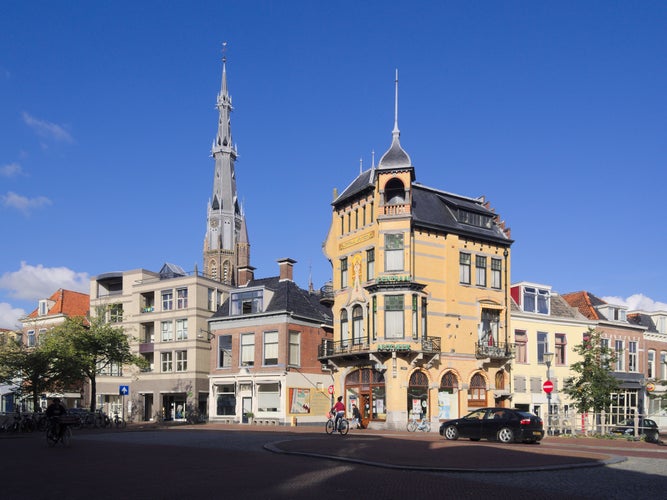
(395,157)
(226,233)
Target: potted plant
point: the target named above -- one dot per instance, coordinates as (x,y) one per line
(248,416)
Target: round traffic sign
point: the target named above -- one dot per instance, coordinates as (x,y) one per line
(548,386)
(331,389)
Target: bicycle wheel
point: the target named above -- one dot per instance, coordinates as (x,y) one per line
(67,437)
(122,424)
(329,427)
(51,438)
(426,426)
(343,427)
(412,426)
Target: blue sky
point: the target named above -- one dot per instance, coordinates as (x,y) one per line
(555,111)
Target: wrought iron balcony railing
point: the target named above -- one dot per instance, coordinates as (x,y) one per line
(330,348)
(499,350)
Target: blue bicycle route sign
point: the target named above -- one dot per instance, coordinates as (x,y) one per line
(124,390)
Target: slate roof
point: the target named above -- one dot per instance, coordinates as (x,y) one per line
(287,297)
(68,303)
(642,319)
(434,209)
(559,308)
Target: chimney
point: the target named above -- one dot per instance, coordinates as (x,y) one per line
(246,275)
(286,267)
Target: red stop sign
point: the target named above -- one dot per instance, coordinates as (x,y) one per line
(548,386)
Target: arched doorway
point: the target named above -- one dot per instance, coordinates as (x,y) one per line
(365,387)
(448,400)
(477,391)
(418,396)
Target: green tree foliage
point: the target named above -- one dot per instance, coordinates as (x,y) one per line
(82,348)
(30,368)
(592,386)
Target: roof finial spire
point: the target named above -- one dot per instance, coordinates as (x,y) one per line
(372,158)
(223,90)
(361,165)
(396,131)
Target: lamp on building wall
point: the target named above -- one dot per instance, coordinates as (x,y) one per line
(548,358)
(205,334)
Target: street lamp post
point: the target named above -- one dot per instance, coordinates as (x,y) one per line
(548,358)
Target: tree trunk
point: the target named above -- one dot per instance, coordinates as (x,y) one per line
(93,392)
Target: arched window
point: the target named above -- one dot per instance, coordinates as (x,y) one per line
(394,192)
(418,406)
(357,324)
(213,270)
(500,380)
(448,382)
(344,333)
(225,272)
(477,391)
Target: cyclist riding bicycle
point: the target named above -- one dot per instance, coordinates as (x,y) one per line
(338,410)
(53,413)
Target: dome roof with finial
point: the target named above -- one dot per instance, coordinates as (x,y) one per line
(395,157)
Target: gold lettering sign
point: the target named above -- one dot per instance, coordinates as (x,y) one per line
(355,241)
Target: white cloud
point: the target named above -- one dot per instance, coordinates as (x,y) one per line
(9,316)
(11,170)
(47,129)
(39,282)
(637,302)
(25,205)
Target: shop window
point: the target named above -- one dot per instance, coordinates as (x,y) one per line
(226,400)
(268,397)
(477,391)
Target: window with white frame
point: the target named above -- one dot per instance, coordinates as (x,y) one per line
(294,348)
(415,317)
(167,328)
(496,273)
(542,346)
(41,336)
(224,351)
(167,300)
(663,365)
(344,280)
(248,302)
(393,252)
(181,361)
(650,368)
(464,268)
(536,300)
(480,270)
(424,317)
(632,356)
(116,313)
(248,349)
(270,348)
(166,358)
(31,338)
(620,355)
(181,329)
(268,397)
(211,299)
(394,322)
(181,298)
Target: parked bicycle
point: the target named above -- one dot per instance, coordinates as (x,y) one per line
(416,425)
(119,421)
(343,426)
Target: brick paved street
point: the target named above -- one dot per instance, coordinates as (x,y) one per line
(232,461)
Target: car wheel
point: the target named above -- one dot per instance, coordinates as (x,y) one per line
(651,437)
(505,435)
(451,433)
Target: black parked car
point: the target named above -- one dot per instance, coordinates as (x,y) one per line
(503,424)
(647,428)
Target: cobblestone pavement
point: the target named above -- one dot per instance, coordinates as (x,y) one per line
(232,462)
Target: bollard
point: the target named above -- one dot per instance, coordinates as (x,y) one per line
(294,422)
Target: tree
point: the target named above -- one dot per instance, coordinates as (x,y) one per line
(593,384)
(31,369)
(85,347)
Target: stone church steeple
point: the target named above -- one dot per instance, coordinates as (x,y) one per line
(226,245)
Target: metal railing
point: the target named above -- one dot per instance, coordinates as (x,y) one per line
(330,348)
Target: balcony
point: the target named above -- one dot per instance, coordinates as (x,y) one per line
(146,347)
(500,350)
(329,348)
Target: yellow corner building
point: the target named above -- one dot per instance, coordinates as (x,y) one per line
(420,297)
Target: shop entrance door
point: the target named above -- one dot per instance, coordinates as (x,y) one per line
(148,407)
(246,407)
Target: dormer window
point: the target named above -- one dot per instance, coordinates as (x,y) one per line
(394,192)
(43,307)
(536,300)
(247,302)
(473,218)
(613,312)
